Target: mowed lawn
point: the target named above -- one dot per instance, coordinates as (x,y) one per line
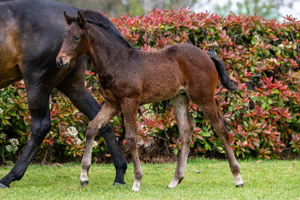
(204,179)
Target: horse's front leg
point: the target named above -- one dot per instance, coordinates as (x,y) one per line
(130,108)
(38,99)
(105,114)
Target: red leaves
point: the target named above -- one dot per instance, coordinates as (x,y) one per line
(283,113)
(257,52)
(254,51)
(48,141)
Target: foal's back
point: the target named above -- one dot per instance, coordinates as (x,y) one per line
(176,69)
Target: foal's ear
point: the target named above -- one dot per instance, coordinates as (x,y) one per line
(68,18)
(80,20)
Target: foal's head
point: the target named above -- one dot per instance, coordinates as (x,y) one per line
(75,41)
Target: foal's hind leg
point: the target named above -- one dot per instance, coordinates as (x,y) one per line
(130,108)
(180,105)
(208,105)
(102,118)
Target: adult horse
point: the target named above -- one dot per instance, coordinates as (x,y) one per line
(130,77)
(30,37)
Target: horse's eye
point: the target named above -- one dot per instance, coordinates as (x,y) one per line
(77,38)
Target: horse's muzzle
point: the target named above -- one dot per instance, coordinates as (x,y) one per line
(61,64)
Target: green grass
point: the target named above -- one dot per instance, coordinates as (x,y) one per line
(204,179)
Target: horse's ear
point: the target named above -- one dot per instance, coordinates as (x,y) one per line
(68,18)
(80,20)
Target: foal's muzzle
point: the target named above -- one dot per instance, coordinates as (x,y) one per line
(61,64)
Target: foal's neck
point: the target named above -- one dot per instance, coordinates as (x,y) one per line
(103,51)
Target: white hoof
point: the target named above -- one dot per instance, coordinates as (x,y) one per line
(135,187)
(238,181)
(173,184)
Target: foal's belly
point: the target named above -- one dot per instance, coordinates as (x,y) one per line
(157,96)
(162,86)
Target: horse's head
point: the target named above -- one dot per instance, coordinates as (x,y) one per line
(74,41)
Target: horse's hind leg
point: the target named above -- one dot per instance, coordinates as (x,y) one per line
(102,118)
(180,106)
(208,105)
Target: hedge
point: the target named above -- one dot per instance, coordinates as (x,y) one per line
(261,58)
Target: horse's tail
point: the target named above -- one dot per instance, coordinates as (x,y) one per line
(223,74)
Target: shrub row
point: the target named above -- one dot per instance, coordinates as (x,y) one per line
(260,55)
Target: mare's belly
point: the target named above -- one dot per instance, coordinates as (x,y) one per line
(10,51)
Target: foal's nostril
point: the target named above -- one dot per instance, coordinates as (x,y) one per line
(66,64)
(59,63)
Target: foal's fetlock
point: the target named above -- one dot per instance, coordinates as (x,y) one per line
(138,176)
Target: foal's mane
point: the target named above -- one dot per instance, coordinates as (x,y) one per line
(105,25)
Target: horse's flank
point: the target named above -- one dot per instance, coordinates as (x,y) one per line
(10,50)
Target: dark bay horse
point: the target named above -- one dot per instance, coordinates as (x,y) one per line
(130,77)
(31,34)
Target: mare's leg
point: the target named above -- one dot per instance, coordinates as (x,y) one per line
(102,118)
(130,109)
(180,106)
(207,103)
(38,98)
(73,87)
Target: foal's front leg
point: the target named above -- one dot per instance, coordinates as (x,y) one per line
(105,114)
(130,108)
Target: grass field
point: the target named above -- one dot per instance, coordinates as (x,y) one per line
(204,179)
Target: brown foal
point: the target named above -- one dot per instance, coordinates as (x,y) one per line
(130,77)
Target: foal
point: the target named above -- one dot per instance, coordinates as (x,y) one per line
(130,77)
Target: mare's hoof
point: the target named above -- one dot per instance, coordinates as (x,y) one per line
(118,183)
(3,186)
(84,183)
(240,185)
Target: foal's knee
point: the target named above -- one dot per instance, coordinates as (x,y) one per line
(131,141)
(91,132)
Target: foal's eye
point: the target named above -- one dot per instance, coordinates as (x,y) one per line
(77,38)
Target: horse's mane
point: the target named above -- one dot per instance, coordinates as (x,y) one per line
(104,24)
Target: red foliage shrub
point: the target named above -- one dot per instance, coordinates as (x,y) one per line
(261,57)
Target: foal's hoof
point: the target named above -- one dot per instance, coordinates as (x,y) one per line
(174,183)
(84,183)
(240,185)
(135,188)
(4,186)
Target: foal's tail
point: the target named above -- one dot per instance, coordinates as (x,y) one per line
(223,74)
